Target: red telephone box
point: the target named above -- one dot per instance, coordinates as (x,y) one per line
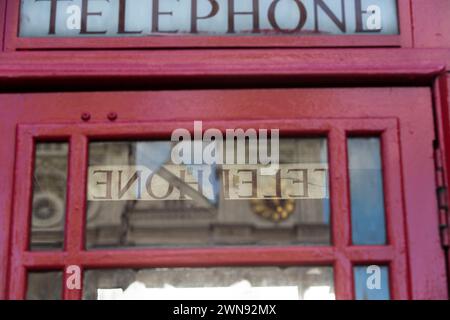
(370,110)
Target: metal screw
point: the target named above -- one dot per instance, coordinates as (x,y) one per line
(112,116)
(85,116)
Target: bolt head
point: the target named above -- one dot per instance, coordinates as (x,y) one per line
(112,116)
(85,116)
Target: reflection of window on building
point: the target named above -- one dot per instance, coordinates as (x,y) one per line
(205,220)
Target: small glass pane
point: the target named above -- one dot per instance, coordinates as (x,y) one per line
(268,283)
(46,285)
(138,197)
(371,282)
(366,189)
(49,196)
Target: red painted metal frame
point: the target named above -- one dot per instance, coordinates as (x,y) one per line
(430,32)
(43,70)
(342,255)
(2,22)
(122,70)
(14,42)
(7,150)
(441,90)
(408,175)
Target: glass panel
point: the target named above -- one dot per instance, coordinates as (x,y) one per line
(271,283)
(44,285)
(371,282)
(140,18)
(366,188)
(49,196)
(205,205)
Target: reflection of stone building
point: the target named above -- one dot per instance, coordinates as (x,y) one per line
(190,222)
(49,195)
(226,222)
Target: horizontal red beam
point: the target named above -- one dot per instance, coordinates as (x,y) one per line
(225,61)
(164,129)
(189,41)
(159,67)
(148,258)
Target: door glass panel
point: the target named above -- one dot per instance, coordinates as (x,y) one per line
(138,197)
(45,285)
(234,283)
(371,282)
(49,196)
(366,189)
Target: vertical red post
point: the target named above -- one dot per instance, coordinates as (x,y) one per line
(75,219)
(340,212)
(21,213)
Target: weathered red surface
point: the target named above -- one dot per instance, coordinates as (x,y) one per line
(430,22)
(397,114)
(419,57)
(2,25)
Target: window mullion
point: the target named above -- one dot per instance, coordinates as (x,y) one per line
(74,239)
(340,212)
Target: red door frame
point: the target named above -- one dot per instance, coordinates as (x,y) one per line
(392,118)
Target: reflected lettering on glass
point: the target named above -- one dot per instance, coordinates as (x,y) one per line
(187,205)
(180,182)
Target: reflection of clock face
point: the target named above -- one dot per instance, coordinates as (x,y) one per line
(275,210)
(48,210)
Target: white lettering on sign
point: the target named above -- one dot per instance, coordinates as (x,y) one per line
(115,18)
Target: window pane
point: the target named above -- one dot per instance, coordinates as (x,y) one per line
(49,196)
(366,188)
(140,18)
(205,205)
(371,283)
(44,285)
(211,284)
